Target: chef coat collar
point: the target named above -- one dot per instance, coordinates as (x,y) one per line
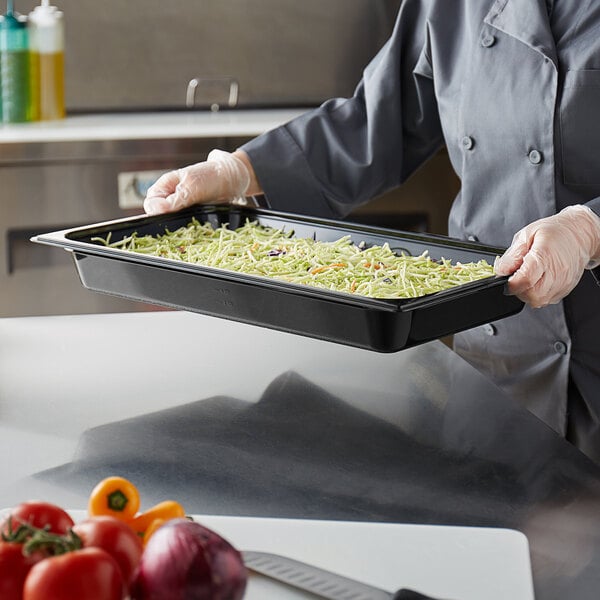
(527,21)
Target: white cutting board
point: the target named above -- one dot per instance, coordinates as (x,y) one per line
(450,563)
(454,563)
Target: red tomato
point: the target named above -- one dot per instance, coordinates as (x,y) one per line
(115,537)
(14,567)
(39,514)
(87,574)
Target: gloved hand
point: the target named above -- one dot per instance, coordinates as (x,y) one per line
(548,256)
(222,178)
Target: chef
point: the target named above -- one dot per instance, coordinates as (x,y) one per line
(512,89)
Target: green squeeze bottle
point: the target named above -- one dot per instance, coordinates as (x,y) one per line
(16,102)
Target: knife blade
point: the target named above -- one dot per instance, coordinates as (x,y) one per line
(319,582)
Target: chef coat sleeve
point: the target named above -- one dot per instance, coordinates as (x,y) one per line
(594,205)
(350,150)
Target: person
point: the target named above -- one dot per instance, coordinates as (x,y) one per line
(512,89)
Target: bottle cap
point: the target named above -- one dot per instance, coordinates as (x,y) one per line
(47,28)
(12,20)
(45,14)
(13,31)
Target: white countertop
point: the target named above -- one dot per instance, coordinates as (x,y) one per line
(149,125)
(467,563)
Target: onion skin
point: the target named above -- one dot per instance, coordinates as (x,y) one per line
(184,560)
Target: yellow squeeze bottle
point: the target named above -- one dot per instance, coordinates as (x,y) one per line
(47,43)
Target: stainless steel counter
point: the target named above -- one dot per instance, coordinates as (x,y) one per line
(238,420)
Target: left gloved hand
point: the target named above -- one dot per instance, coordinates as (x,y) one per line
(223,177)
(547,257)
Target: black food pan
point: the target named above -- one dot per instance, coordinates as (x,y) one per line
(381,325)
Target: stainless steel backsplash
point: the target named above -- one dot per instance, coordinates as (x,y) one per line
(141,54)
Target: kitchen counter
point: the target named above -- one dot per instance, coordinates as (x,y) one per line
(148,125)
(233,419)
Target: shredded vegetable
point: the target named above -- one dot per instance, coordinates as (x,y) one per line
(341,265)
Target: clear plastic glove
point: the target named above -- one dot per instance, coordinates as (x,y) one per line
(222,178)
(547,258)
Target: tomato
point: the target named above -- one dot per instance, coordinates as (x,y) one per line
(87,574)
(14,567)
(114,537)
(39,514)
(114,496)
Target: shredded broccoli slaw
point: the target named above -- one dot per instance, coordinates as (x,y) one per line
(342,266)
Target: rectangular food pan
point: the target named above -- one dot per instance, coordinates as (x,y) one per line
(374,324)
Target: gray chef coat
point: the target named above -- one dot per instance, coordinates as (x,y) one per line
(517,103)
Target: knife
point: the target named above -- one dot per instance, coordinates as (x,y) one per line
(320,582)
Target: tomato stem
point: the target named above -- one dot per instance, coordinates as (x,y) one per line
(35,539)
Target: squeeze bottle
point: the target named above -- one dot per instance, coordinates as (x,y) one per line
(47,42)
(16,102)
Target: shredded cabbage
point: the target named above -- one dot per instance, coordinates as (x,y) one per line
(342,266)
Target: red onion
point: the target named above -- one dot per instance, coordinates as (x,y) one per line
(184,560)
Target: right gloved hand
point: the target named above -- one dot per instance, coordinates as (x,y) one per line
(547,257)
(223,177)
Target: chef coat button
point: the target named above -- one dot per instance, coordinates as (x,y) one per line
(535,157)
(468,142)
(489,329)
(472,238)
(487,41)
(560,347)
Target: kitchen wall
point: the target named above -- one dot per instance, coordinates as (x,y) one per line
(141,54)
